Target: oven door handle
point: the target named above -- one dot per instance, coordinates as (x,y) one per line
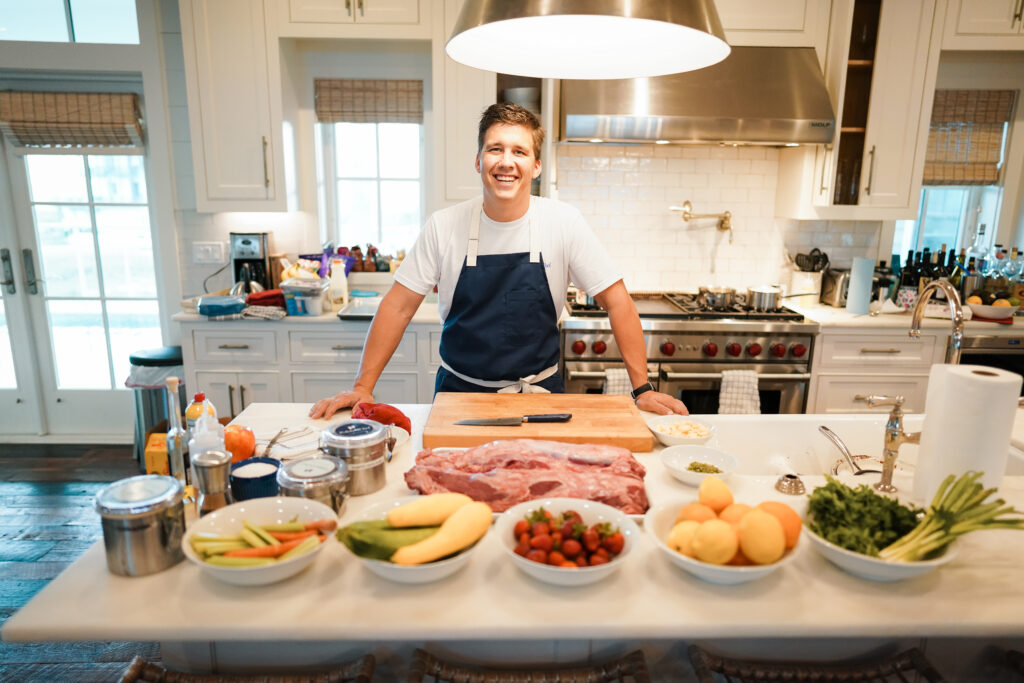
(676,376)
(598,374)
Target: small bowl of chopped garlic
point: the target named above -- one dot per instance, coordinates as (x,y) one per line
(679,430)
(692,464)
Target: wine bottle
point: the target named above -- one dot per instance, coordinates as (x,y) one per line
(925,267)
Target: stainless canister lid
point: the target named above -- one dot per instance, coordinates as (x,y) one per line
(354,434)
(138,496)
(312,472)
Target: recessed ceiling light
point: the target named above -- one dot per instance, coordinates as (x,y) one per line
(596,140)
(595,39)
(661,142)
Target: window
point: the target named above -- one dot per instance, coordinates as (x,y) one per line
(962,172)
(372,185)
(96,254)
(370,166)
(69,21)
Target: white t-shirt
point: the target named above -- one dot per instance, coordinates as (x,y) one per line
(568,248)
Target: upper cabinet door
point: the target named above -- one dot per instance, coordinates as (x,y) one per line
(898,113)
(779,23)
(984,25)
(359,11)
(235,143)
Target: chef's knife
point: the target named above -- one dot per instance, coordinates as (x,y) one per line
(512,421)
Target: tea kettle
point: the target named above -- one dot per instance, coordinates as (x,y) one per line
(245,284)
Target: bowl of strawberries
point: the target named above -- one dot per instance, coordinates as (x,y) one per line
(567,541)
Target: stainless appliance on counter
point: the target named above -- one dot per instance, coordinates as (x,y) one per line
(689,345)
(250,259)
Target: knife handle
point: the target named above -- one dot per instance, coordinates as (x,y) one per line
(549,417)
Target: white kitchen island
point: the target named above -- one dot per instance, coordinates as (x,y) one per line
(337,609)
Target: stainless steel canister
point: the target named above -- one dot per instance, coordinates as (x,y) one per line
(211,471)
(143,522)
(323,478)
(365,446)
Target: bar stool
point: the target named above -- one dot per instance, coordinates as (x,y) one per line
(629,668)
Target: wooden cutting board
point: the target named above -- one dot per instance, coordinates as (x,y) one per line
(596,418)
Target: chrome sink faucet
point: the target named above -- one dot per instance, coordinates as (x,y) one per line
(894,438)
(956,313)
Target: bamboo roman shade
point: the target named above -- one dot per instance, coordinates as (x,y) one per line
(346,100)
(70,119)
(965,143)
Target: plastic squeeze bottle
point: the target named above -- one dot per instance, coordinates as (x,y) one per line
(339,283)
(199,405)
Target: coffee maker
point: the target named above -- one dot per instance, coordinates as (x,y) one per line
(250,258)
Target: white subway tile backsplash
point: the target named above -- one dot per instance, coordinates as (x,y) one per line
(625,192)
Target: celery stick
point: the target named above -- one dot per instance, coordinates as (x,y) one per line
(222,561)
(254,540)
(304,547)
(270,540)
(284,526)
(218,548)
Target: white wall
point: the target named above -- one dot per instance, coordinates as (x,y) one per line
(625,191)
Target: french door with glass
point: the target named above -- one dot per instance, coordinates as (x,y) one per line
(87,293)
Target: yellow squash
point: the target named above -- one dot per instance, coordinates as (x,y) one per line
(430,510)
(462,529)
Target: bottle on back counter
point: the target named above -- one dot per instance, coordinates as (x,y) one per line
(199,405)
(177,435)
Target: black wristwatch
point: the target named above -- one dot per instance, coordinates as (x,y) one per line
(642,389)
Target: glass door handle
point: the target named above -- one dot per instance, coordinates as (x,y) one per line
(31,283)
(8,272)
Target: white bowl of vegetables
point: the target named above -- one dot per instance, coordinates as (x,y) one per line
(260,541)
(878,538)
(376,554)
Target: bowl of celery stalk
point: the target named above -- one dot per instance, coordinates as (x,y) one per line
(259,541)
(878,538)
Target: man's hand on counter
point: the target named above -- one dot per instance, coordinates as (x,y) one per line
(662,404)
(329,406)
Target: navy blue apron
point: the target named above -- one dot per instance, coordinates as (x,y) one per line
(501,332)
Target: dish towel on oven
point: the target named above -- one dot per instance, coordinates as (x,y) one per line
(616,381)
(738,395)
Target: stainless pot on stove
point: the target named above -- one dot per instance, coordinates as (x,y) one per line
(718,298)
(764,298)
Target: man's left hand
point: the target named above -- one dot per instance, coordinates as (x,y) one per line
(662,404)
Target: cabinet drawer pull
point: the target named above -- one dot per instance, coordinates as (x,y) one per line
(359,4)
(348,7)
(1018,14)
(866,350)
(266,169)
(231,399)
(871,171)
(233,347)
(346,347)
(241,394)
(860,397)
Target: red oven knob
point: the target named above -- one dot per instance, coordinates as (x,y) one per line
(710,349)
(778,350)
(668,349)
(798,350)
(754,349)
(733,349)
(599,347)
(579,346)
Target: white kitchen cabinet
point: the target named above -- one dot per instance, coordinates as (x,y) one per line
(392,387)
(460,94)
(399,19)
(851,364)
(873,168)
(234,106)
(779,23)
(231,392)
(984,25)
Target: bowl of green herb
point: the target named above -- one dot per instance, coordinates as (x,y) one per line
(692,464)
(878,538)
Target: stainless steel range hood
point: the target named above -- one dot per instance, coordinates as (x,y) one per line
(757,95)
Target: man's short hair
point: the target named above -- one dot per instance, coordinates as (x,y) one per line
(511,115)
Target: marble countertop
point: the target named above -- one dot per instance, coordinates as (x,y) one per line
(979,593)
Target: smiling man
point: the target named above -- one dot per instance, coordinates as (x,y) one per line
(502,264)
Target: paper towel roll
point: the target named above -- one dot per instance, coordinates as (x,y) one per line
(858,295)
(968,422)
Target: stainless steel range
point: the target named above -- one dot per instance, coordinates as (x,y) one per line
(689,345)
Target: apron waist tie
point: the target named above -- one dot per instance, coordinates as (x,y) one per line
(524,385)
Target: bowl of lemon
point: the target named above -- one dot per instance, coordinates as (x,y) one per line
(999,309)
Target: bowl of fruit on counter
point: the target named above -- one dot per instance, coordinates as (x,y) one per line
(723,541)
(566,541)
(992,305)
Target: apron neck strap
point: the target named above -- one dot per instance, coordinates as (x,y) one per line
(473,248)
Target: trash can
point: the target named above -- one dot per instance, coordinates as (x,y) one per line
(150,370)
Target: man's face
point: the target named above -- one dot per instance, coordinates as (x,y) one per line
(506,163)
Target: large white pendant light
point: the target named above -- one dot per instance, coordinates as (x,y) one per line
(588,39)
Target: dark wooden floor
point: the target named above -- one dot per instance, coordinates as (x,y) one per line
(46,522)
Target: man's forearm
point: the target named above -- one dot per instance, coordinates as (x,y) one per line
(629,336)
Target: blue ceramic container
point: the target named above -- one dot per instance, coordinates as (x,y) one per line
(263,486)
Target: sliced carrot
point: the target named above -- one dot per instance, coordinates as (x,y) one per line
(322,525)
(265,551)
(292,535)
